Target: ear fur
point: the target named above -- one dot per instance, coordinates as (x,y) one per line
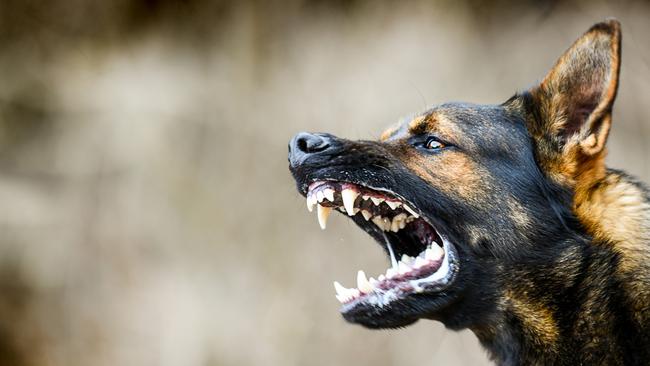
(569,112)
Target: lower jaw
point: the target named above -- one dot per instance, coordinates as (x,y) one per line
(405,285)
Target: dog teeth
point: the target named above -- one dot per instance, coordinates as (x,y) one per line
(406,259)
(419,262)
(411,211)
(387,223)
(341,292)
(394,226)
(379,221)
(311,202)
(323,214)
(345,294)
(329,194)
(398,222)
(349,196)
(363,284)
(405,215)
(403,268)
(406,265)
(393,204)
(376,200)
(340,289)
(434,252)
(366,215)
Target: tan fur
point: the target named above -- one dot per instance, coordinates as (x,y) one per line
(617,211)
(537,319)
(613,209)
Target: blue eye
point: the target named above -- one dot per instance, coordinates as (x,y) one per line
(433,144)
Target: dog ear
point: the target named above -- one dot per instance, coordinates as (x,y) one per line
(569,112)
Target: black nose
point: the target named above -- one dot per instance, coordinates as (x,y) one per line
(304,143)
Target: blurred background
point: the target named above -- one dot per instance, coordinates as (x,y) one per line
(148,215)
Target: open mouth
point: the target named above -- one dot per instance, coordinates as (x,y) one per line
(421,259)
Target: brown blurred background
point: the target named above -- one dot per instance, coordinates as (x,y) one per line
(148,216)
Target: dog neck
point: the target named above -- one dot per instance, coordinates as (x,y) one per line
(590,305)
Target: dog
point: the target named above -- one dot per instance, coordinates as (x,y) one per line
(502,219)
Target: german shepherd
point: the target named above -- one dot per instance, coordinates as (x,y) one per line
(501,218)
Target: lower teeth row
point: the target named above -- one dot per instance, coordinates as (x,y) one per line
(432,254)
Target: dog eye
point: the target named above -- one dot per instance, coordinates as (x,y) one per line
(433,144)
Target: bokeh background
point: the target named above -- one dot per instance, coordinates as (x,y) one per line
(147,213)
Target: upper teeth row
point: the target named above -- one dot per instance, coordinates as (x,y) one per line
(364,286)
(349,196)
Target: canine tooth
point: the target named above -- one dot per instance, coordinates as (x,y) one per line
(381,277)
(311,202)
(340,289)
(342,299)
(391,272)
(323,214)
(366,215)
(403,268)
(393,204)
(376,200)
(320,196)
(373,281)
(362,283)
(407,259)
(411,211)
(349,196)
(329,194)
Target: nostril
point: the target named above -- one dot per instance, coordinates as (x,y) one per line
(311,143)
(305,144)
(302,144)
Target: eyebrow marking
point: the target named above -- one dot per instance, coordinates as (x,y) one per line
(416,122)
(422,124)
(389,132)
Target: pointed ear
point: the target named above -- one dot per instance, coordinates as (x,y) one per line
(572,105)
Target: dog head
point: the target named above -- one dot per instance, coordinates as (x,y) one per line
(466,199)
